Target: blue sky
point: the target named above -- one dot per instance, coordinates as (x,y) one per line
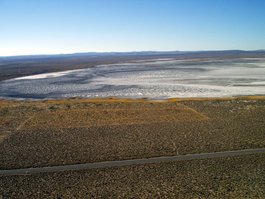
(66,26)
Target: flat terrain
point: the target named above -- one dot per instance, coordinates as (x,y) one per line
(153,79)
(73,131)
(238,177)
(47,133)
(12,67)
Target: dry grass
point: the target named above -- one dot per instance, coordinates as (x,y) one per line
(237,177)
(217,99)
(76,131)
(4,135)
(46,133)
(79,118)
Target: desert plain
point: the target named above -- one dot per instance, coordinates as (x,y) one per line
(43,133)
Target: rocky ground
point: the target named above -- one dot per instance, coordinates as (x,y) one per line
(238,177)
(59,132)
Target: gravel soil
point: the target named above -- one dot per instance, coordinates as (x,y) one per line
(46,133)
(237,177)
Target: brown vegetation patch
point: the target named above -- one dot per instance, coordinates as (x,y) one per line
(10,123)
(4,135)
(5,121)
(115,116)
(46,133)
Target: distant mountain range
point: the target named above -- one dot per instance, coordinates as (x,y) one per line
(136,53)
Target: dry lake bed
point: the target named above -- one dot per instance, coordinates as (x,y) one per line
(154,79)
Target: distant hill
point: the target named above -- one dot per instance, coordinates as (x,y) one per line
(136,53)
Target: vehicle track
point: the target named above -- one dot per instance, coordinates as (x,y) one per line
(120,163)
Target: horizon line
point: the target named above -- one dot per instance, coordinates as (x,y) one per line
(124,52)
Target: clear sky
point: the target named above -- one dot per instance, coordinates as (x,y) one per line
(67,26)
